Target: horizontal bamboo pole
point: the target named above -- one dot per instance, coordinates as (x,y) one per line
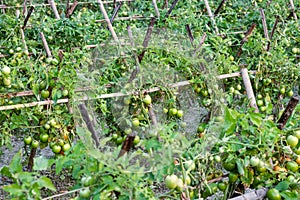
(105,96)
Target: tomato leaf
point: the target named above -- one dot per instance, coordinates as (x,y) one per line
(283,185)
(16,165)
(5,171)
(13,189)
(289,195)
(240,166)
(40,163)
(255,119)
(47,183)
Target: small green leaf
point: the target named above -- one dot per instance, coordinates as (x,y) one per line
(284,185)
(14,189)
(290,195)
(240,166)
(5,171)
(47,183)
(15,165)
(255,119)
(40,163)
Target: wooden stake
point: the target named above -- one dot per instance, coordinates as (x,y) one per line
(249,90)
(156,8)
(272,33)
(71,10)
(293,10)
(211,16)
(89,123)
(287,112)
(48,52)
(31,159)
(171,8)
(110,27)
(249,32)
(264,23)
(24,8)
(187,27)
(147,38)
(127,144)
(116,10)
(219,7)
(53,6)
(27,17)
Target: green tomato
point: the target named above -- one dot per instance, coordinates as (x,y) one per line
(259,96)
(222,186)
(217,158)
(297,133)
(233,177)
(28,140)
(238,87)
(136,140)
(56,148)
(179,113)
(254,161)
(5,70)
(47,126)
(190,164)
(204,93)
(292,140)
(180,185)
(171,181)
(147,99)
(292,166)
(65,92)
(44,137)
(231,58)
(273,194)
(295,50)
(260,102)
(85,193)
(282,90)
(290,93)
(135,122)
(6,81)
(172,111)
(66,147)
(34,144)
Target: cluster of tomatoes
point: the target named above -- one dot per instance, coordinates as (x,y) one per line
(58,145)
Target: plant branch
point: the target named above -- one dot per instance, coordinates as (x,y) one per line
(27,17)
(189,31)
(264,23)
(272,33)
(287,113)
(147,38)
(115,12)
(71,10)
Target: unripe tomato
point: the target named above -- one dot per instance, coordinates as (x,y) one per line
(6,81)
(34,144)
(135,122)
(56,148)
(254,161)
(5,70)
(28,140)
(190,164)
(136,140)
(171,181)
(290,93)
(172,111)
(85,193)
(222,186)
(44,137)
(180,185)
(297,134)
(66,147)
(179,113)
(273,194)
(292,140)
(147,99)
(45,94)
(292,166)
(233,177)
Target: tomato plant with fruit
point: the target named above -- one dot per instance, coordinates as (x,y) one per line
(164,79)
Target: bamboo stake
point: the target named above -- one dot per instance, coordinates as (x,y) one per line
(70,11)
(156,8)
(249,89)
(53,6)
(25,7)
(3,8)
(105,96)
(110,27)
(116,10)
(27,17)
(211,16)
(249,32)
(293,9)
(48,52)
(191,37)
(272,33)
(264,23)
(287,112)
(219,7)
